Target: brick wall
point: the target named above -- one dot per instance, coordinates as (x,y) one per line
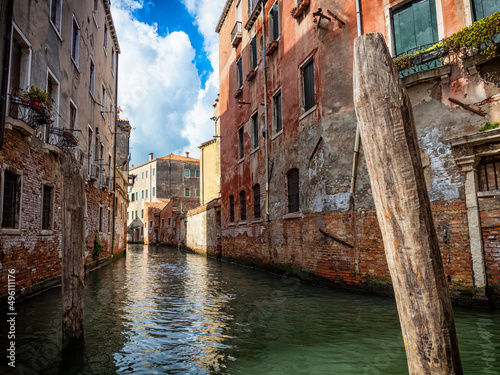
(490,224)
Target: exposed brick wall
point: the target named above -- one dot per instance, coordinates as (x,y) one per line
(490,224)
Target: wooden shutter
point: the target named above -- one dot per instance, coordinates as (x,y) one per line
(485,8)
(308,78)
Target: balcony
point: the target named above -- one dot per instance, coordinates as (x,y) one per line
(94,172)
(29,111)
(479,42)
(300,8)
(63,138)
(236,34)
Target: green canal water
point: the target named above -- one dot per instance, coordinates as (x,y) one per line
(161,311)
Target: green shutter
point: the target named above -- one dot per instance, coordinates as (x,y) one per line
(485,8)
(415,25)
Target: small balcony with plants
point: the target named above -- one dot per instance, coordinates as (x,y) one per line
(30,109)
(300,8)
(480,42)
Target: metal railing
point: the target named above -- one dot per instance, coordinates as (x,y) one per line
(22,108)
(236,33)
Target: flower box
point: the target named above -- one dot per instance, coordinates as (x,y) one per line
(300,8)
(273,46)
(251,75)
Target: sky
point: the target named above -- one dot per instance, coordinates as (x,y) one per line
(168,73)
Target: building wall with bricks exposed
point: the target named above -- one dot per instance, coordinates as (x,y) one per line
(81,81)
(334,237)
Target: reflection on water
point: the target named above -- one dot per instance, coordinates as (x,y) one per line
(161,311)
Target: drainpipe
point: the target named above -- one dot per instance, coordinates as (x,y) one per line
(265,108)
(357,140)
(115,114)
(6,67)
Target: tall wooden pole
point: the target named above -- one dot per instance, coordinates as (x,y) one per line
(386,123)
(73,194)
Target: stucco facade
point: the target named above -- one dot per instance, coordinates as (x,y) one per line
(288,133)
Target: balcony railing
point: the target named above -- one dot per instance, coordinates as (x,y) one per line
(33,114)
(62,137)
(236,34)
(481,38)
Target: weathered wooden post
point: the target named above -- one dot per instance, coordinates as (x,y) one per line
(385,120)
(73,206)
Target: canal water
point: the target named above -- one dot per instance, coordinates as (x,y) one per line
(162,311)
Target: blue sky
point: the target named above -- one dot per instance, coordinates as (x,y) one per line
(168,73)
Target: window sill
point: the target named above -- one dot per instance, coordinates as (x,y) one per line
(231,224)
(308,112)
(256,221)
(292,215)
(51,148)
(277,135)
(241,160)
(10,231)
(20,126)
(58,33)
(255,150)
(243,222)
(47,232)
(489,193)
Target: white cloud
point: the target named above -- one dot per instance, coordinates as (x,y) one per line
(159,87)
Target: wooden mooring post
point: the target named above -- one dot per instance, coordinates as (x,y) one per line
(386,124)
(73,211)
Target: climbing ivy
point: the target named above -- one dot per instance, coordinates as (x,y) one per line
(98,248)
(471,40)
(489,126)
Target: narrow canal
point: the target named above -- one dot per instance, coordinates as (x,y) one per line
(161,311)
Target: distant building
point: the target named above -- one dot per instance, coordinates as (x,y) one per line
(169,177)
(210,163)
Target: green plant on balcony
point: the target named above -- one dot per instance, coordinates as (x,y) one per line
(489,126)
(471,40)
(37,96)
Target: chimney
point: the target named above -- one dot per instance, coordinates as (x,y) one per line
(150,156)
(187,154)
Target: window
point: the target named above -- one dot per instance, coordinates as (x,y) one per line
(109,220)
(73,116)
(95,14)
(92,77)
(186,173)
(11,211)
(142,214)
(231,208)
(111,116)
(308,85)
(146,193)
(75,42)
(278,120)
(103,101)
(19,75)
(146,174)
(255,131)
(136,196)
(136,216)
(274,23)
(142,194)
(241,143)
(55,14)
(253,53)
(197,173)
(488,172)
(154,191)
(293,190)
(238,11)
(47,207)
(53,91)
(256,201)
(128,215)
(239,72)
(154,171)
(110,182)
(197,192)
(112,60)
(151,223)
(186,192)
(90,149)
(100,219)
(169,221)
(106,38)
(133,197)
(485,8)
(414,24)
(243,206)
(142,176)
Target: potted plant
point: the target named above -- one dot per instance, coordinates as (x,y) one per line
(39,98)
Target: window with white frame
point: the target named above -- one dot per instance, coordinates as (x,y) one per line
(73,116)
(53,88)
(56,15)
(75,42)
(20,68)
(307,70)
(274,23)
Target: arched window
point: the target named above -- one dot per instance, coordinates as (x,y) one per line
(243,206)
(293,190)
